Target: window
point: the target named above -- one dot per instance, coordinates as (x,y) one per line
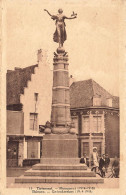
(97,122)
(33,121)
(32,149)
(75,121)
(36,96)
(97,100)
(109,102)
(86,148)
(85,124)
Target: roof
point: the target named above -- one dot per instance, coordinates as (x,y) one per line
(82,93)
(16,82)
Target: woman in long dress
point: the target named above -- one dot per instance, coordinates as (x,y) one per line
(95,159)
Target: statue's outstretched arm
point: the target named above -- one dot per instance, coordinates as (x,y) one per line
(71,17)
(47,12)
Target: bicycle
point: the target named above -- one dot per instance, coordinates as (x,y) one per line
(111,173)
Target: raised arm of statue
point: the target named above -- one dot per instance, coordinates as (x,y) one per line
(52,16)
(70,17)
(73,16)
(47,12)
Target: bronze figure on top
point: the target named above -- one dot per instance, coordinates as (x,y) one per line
(60,33)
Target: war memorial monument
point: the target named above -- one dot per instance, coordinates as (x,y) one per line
(60,162)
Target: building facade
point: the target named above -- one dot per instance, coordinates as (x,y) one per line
(29,93)
(95,113)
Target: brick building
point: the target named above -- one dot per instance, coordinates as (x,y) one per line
(94,111)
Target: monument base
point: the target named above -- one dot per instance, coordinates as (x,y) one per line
(59,147)
(60,161)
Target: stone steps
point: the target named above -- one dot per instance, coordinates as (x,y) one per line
(60,173)
(59,167)
(26,179)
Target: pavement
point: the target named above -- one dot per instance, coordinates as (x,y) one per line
(108,183)
(12,173)
(16,171)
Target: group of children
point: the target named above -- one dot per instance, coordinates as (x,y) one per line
(101,164)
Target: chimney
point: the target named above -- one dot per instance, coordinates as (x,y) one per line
(17,68)
(9,71)
(39,55)
(71,80)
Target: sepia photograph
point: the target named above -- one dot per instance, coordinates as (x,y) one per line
(62,98)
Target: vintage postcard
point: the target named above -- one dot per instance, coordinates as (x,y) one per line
(63,97)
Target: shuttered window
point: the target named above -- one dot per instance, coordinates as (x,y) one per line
(85,124)
(33,121)
(97,122)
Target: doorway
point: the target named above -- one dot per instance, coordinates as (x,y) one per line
(12,153)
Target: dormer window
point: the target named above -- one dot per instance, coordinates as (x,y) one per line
(109,102)
(97,100)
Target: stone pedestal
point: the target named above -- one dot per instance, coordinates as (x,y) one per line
(59,148)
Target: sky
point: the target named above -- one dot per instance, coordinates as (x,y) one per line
(92,38)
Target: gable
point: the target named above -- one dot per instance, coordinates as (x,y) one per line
(16,82)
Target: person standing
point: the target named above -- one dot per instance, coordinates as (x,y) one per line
(115,166)
(95,160)
(107,162)
(102,165)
